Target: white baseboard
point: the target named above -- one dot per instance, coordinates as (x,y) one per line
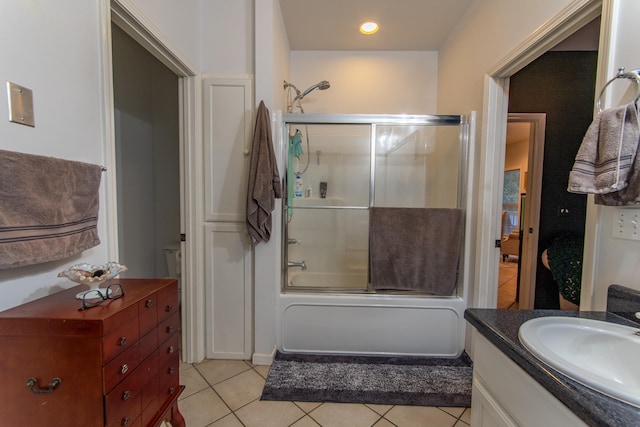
(264,358)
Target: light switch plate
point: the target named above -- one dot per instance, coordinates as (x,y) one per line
(20,104)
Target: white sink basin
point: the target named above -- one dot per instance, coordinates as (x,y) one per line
(600,355)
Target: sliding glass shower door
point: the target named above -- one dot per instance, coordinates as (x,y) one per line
(327,221)
(337,168)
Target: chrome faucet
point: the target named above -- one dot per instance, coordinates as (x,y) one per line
(300,264)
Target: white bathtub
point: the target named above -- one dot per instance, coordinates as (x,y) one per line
(306,279)
(370,324)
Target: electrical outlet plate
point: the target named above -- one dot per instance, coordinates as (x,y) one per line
(626,224)
(20,104)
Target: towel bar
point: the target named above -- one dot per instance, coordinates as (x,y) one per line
(631,75)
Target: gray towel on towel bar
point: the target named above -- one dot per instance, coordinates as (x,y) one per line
(264,180)
(628,196)
(607,153)
(415,249)
(48,208)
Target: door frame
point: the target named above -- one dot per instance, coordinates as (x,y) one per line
(493,141)
(531,218)
(132,21)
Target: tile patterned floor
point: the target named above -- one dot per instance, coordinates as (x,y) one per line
(226,393)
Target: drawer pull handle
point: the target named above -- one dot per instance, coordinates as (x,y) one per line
(170,350)
(123,341)
(124,369)
(126,395)
(171,370)
(149,303)
(172,390)
(32,383)
(169,308)
(170,329)
(126,421)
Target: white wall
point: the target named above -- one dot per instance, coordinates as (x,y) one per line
(227,37)
(488,32)
(616,261)
(180,21)
(62,67)
(271,68)
(471,50)
(517,157)
(367,82)
(64,70)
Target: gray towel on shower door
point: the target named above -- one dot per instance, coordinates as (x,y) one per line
(415,249)
(264,179)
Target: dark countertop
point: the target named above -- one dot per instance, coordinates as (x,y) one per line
(500,327)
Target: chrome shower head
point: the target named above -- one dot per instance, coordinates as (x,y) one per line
(320,85)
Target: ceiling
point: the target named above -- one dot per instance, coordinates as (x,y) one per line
(404,24)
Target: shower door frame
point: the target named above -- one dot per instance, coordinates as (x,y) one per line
(373,120)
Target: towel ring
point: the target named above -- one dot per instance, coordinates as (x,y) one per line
(632,75)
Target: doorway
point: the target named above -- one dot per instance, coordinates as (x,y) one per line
(522,191)
(568,104)
(499,85)
(147,141)
(516,169)
(189,107)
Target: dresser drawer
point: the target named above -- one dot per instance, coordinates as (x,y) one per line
(124,402)
(148,312)
(169,389)
(148,344)
(74,360)
(167,302)
(150,386)
(123,335)
(168,327)
(161,395)
(168,348)
(168,368)
(121,366)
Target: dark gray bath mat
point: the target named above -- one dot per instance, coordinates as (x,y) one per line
(417,381)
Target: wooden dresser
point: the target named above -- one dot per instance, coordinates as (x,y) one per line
(116,364)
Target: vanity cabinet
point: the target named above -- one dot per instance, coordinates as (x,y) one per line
(505,395)
(116,364)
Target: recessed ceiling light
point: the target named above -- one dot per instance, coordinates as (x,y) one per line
(368,28)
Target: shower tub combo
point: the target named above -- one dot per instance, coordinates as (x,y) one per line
(333,297)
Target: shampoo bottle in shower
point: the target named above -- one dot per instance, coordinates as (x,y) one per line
(298,187)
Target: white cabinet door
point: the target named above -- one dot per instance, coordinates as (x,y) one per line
(486,412)
(229,319)
(505,395)
(228,132)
